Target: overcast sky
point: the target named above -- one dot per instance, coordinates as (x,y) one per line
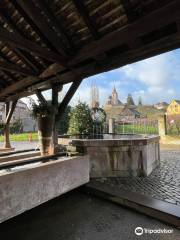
(155,79)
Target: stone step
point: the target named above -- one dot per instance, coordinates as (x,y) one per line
(161,210)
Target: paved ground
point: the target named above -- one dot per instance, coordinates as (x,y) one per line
(22,145)
(76,216)
(163,183)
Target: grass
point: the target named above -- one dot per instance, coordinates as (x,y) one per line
(21,137)
(137,129)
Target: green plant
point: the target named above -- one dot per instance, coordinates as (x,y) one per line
(43,110)
(80,120)
(16,126)
(63,123)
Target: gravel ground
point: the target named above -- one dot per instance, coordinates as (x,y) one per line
(162,184)
(77,216)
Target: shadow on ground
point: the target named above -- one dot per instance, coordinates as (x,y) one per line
(77,216)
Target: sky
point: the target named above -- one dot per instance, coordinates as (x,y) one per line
(154,80)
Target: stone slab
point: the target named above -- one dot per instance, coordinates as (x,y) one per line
(26,188)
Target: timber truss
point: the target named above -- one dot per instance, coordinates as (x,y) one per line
(43,42)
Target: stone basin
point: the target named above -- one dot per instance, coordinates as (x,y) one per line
(121,155)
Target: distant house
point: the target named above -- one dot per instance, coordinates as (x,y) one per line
(161,105)
(128,114)
(21,113)
(174,108)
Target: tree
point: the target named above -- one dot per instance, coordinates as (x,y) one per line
(130,100)
(80,120)
(140,101)
(63,124)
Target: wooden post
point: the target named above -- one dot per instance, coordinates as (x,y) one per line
(111,125)
(8,112)
(162,126)
(55,90)
(6,128)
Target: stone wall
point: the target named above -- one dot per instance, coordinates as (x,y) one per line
(121,157)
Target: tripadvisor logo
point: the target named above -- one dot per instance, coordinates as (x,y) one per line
(139,231)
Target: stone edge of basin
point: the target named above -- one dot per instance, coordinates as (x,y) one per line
(39,159)
(158,209)
(37,185)
(115,142)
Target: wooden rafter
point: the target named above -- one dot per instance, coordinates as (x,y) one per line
(15,68)
(40,97)
(54,22)
(33,26)
(19,42)
(24,83)
(147,24)
(31,9)
(10,112)
(129,10)
(20,53)
(85,15)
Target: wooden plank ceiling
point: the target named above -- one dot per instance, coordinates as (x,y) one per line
(44,41)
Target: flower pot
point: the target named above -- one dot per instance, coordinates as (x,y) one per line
(45,131)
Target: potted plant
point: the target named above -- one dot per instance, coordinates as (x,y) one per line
(45,115)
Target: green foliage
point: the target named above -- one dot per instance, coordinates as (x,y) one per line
(43,109)
(63,124)
(16,127)
(80,120)
(1,128)
(130,100)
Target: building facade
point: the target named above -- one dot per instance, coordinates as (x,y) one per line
(174,108)
(21,113)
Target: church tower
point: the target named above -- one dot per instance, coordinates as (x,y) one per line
(115,100)
(94,96)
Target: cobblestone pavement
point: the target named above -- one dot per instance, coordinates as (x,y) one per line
(162,184)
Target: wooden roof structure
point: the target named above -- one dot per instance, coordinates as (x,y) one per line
(45,41)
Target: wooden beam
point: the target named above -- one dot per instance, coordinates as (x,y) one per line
(40,97)
(15,68)
(129,10)
(28,61)
(20,95)
(140,53)
(147,24)
(6,128)
(17,41)
(55,93)
(70,93)
(85,15)
(36,14)
(20,90)
(24,83)
(54,22)
(131,56)
(10,113)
